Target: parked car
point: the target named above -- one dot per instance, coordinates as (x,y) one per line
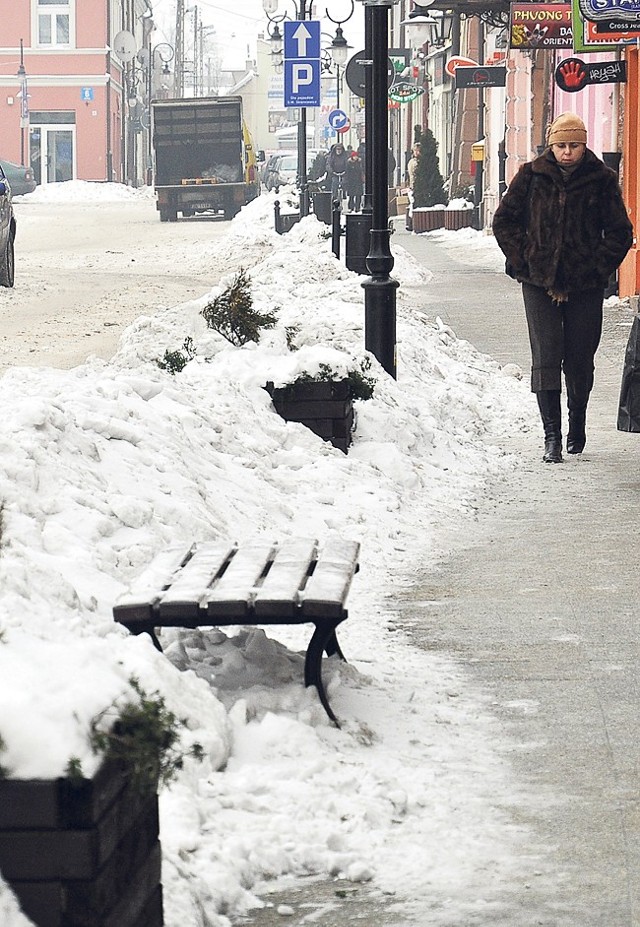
(21,178)
(7,232)
(270,167)
(283,168)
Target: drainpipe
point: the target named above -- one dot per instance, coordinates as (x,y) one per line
(109,152)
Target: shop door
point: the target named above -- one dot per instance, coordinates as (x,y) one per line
(52,153)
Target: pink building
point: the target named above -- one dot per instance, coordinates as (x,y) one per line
(84,116)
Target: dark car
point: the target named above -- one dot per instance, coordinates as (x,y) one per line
(21,178)
(7,232)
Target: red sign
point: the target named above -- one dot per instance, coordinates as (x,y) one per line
(457,61)
(345,127)
(540,25)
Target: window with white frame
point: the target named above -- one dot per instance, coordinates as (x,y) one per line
(54,22)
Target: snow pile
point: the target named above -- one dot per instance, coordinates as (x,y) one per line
(104,465)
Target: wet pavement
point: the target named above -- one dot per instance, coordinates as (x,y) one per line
(540,605)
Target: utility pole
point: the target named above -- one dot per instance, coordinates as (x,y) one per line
(178,79)
(195,51)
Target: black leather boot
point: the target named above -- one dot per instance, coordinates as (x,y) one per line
(549,405)
(577,436)
(577,399)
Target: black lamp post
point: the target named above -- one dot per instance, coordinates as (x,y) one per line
(380,288)
(24,102)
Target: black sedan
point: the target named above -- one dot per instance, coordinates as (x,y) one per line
(7,232)
(21,178)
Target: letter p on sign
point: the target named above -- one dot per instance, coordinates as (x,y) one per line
(301,76)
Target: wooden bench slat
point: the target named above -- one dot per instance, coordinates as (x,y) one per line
(326,591)
(137,603)
(232,596)
(191,584)
(278,596)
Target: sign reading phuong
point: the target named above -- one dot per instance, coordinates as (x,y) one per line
(540,25)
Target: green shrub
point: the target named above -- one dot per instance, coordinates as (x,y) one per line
(175,361)
(232,315)
(428,188)
(144,736)
(361,382)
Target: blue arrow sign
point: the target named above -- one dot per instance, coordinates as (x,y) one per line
(302,39)
(337,118)
(302,63)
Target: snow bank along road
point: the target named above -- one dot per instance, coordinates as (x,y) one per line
(86,271)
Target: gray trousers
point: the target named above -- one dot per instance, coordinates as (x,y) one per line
(563,337)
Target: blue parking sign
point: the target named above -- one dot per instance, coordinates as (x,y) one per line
(302,63)
(302,82)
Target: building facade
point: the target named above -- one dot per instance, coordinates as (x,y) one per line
(72,105)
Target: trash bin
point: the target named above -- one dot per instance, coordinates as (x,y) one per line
(322,206)
(358,241)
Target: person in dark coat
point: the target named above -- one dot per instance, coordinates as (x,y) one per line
(336,166)
(563,228)
(354,181)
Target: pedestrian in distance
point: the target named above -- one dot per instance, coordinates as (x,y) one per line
(412,165)
(563,228)
(336,166)
(354,182)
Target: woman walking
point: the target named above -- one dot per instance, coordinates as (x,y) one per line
(563,228)
(354,181)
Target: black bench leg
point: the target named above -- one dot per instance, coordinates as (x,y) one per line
(323,639)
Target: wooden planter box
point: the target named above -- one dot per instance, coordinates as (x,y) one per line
(458,219)
(82,853)
(326,407)
(428,220)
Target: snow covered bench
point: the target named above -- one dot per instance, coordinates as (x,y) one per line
(252,583)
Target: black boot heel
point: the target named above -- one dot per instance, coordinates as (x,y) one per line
(550,413)
(576,438)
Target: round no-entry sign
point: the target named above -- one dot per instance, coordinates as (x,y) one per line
(345,127)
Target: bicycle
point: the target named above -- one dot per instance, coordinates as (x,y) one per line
(337,188)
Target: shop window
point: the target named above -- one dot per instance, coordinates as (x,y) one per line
(54,18)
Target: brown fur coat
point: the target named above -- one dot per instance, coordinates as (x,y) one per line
(564,236)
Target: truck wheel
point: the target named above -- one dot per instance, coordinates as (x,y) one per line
(164,215)
(231,211)
(7,264)
(173,215)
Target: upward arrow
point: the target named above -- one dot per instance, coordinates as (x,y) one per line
(302,36)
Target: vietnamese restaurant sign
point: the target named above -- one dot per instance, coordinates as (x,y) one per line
(541,25)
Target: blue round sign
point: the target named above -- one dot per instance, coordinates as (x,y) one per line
(337,118)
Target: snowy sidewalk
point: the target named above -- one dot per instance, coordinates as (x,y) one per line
(542,607)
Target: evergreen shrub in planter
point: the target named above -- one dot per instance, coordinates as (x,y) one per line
(324,403)
(84,851)
(81,852)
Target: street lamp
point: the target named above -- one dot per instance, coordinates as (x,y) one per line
(339,48)
(380,289)
(24,102)
(166,53)
(432,29)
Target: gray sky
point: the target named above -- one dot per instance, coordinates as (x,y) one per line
(237,23)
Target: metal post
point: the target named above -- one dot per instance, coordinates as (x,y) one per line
(380,289)
(368,106)
(302,140)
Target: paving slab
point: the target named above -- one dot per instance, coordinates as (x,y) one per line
(539,602)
